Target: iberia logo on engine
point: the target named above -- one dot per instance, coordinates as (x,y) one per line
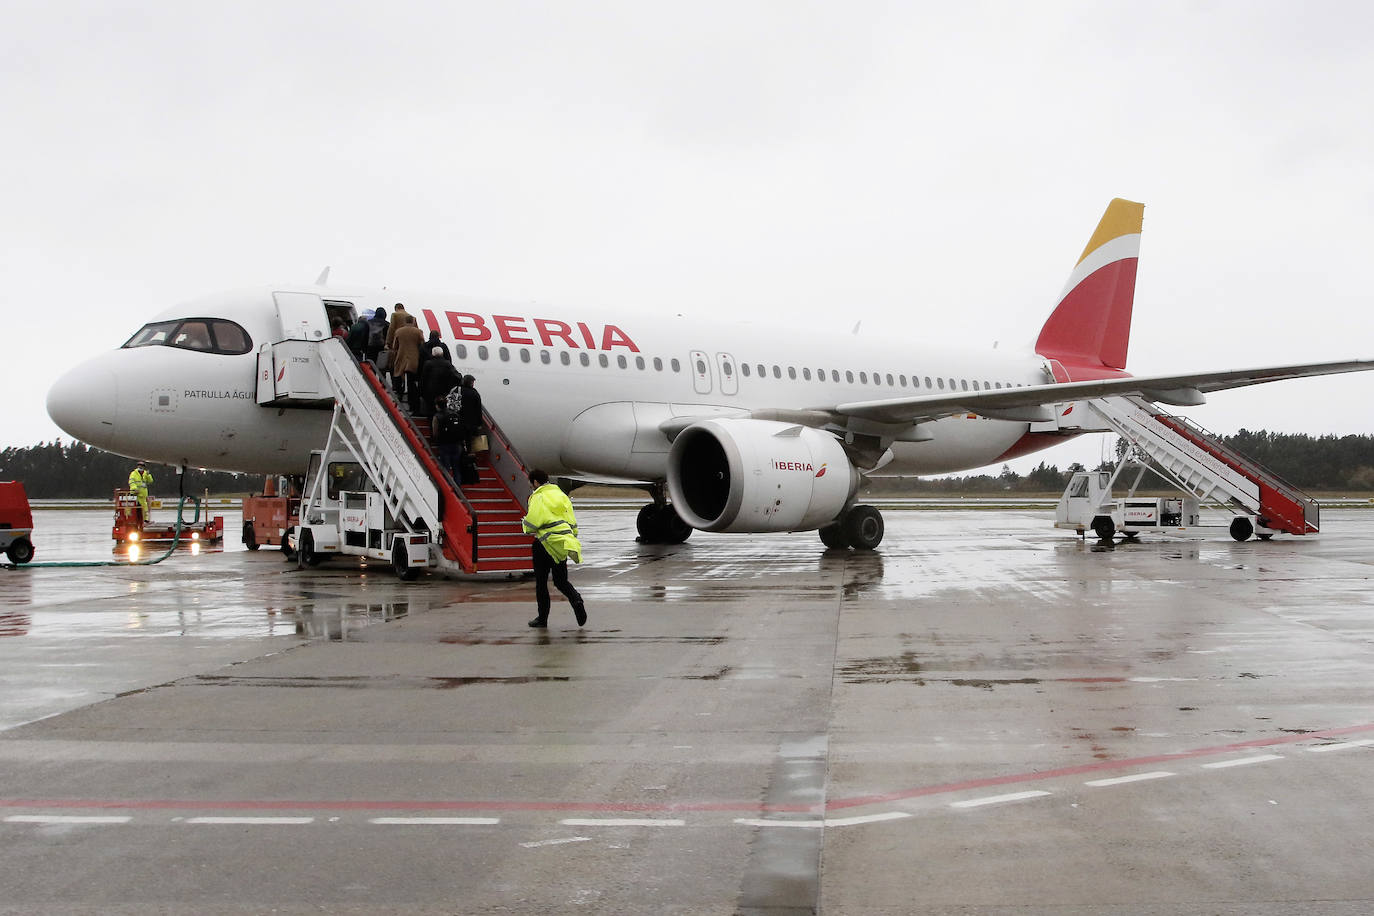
(798,466)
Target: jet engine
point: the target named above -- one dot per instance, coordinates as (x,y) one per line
(736,475)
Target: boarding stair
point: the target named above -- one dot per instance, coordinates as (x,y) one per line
(475,529)
(1201,464)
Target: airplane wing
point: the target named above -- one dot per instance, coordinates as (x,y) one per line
(1029,403)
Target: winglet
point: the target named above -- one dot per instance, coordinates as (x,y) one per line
(1090,328)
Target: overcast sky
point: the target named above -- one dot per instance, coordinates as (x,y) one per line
(934,169)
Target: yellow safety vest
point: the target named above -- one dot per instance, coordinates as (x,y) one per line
(140,480)
(551,520)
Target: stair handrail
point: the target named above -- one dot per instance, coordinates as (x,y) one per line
(506,461)
(449,493)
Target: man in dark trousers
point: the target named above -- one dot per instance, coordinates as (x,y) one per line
(551,520)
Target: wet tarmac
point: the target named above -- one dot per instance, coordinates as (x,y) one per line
(987,715)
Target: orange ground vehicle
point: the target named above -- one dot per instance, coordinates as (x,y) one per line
(268,518)
(130,525)
(16,522)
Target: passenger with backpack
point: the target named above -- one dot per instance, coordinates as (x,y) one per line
(377,326)
(448,438)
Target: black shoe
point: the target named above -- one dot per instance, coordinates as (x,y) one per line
(580,612)
(539,622)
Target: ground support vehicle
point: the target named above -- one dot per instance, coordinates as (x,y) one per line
(130,525)
(16,522)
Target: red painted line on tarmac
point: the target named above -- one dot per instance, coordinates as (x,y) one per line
(1093,767)
(670,807)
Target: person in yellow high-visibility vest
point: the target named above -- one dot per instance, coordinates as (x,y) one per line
(551,520)
(139,482)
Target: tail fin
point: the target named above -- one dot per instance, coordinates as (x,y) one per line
(1090,329)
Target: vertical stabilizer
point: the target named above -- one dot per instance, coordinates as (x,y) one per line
(1090,328)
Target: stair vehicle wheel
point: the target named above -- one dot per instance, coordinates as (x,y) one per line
(20,550)
(250,537)
(307,549)
(1241,528)
(863,527)
(400,562)
(832,536)
(646,523)
(1104,528)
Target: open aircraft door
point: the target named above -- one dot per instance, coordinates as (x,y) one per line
(302,316)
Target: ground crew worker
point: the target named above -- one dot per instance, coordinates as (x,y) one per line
(551,520)
(139,482)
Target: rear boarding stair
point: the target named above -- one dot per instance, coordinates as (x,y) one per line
(411,511)
(1203,466)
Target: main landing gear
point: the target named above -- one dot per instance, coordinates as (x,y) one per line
(860,527)
(659,523)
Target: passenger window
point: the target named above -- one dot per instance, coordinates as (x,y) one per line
(639,362)
(777,371)
(902,380)
(863,378)
(928,382)
(744,369)
(505,354)
(834,375)
(806,373)
(792,373)
(603,360)
(889,380)
(763,373)
(701,367)
(621,361)
(658,364)
(677,366)
(726,368)
(975,384)
(849,376)
(964,383)
(584,359)
(544,357)
(524,355)
(942,384)
(565,358)
(482,352)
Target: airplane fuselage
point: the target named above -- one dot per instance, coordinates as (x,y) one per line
(577,392)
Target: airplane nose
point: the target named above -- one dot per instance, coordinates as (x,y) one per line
(83,403)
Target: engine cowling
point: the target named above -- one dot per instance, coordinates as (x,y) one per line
(743,475)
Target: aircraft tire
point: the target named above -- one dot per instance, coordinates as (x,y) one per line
(1104,528)
(863,527)
(20,551)
(400,563)
(1241,528)
(646,523)
(672,529)
(832,536)
(250,538)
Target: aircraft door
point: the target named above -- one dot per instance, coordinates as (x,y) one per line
(726,367)
(701,372)
(302,316)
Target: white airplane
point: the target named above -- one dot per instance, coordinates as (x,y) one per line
(747,431)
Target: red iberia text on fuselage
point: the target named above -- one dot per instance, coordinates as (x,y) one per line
(470,327)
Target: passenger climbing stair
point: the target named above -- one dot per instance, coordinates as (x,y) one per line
(413,512)
(1200,464)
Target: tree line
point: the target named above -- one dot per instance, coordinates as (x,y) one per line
(1331,463)
(57,470)
(75,470)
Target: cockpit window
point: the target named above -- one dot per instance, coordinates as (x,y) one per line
(205,335)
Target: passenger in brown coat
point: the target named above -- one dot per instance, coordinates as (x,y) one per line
(405,361)
(399,318)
